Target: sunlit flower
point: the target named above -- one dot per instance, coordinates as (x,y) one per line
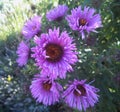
(80,95)
(84,20)
(23,54)
(32,27)
(55,53)
(57,13)
(45,90)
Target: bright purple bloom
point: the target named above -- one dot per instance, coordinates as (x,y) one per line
(84,20)
(55,53)
(23,54)
(57,13)
(45,90)
(80,95)
(32,27)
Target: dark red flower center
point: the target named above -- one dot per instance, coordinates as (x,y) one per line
(81,89)
(82,22)
(54,52)
(47,85)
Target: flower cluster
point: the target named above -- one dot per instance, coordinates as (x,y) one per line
(55,53)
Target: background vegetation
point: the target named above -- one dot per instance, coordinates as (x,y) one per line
(99,55)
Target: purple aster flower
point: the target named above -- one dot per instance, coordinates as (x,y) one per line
(57,13)
(45,90)
(80,95)
(55,53)
(84,20)
(32,27)
(23,54)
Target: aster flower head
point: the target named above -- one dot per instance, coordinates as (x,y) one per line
(55,53)
(57,13)
(23,52)
(45,90)
(84,20)
(32,27)
(80,95)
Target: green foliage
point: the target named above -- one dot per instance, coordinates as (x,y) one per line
(97,57)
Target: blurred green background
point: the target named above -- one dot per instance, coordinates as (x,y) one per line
(99,55)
